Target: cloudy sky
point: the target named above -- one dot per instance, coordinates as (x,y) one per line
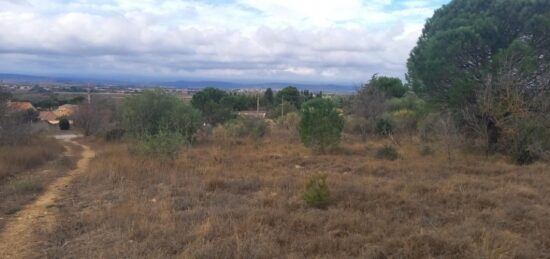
(336,41)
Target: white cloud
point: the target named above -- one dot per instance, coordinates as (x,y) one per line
(337,41)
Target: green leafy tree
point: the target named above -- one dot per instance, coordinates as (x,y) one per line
(154,114)
(268,96)
(289,94)
(215,104)
(64,124)
(390,86)
(462,47)
(321,124)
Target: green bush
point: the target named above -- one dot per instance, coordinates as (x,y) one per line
(317,192)
(321,124)
(114,135)
(64,124)
(162,145)
(284,108)
(247,127)
(387,152)
(159,122)
(384,127)
(528,141)
(215,104)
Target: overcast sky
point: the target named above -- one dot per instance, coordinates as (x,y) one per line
(336,41)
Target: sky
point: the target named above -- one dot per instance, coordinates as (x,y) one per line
(336,41)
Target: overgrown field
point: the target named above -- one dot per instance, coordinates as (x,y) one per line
(37,151)
(244,199)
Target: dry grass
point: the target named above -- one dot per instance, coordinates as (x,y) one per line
(245,201)
(29,176)
(15,159)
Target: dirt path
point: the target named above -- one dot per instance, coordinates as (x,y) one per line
(16,241)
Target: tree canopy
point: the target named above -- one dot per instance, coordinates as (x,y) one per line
(468,40)
(289,94)
(156,112)
(215,105)
(321,124)
(389,86)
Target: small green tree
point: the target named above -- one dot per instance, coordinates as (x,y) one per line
(317,193)
(64,124)
(321,124)
(289,94)
(158,120)
(390,86)
(215,104)
(268,96)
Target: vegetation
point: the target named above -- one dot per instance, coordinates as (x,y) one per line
(387,152)
(160,122)
(321,124)
(214,105)
(468,138)
(64,124)
(317,193)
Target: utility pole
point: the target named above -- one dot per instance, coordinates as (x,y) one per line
(258,104)
(89,96)
(282,106)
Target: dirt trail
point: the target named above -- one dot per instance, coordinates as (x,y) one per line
(16,241)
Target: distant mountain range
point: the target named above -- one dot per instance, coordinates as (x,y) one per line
(31,79)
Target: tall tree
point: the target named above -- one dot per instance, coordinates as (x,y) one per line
(460,45)
(215,104)
(289,94)
(268,96)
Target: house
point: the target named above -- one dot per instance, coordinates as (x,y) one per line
(52,117)
(20,106)
(49,117)
(253,114)
(66,110)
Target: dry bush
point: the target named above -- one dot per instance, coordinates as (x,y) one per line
(246,202)
(37,151)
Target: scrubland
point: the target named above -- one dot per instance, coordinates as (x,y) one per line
(243,199)
(18,158)
(27,169)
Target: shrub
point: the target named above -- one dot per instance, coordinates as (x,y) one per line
(317,192)
(387,152)
(289,121)
(159,122)
(114,134)
(162,145)
(321,124)
(284,108)
(215,104)
(27,186)
(384,127)
(64,124)
(527,143)
(247,127)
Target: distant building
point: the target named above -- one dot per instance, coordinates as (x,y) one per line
(20,106)
(52,117)
(253,114)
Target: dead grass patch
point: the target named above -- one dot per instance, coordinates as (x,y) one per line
(245,201)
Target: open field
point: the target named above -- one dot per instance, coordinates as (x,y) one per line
(244,200)
(15,159)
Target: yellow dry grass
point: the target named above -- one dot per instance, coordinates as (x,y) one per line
(15,159)
(243,200)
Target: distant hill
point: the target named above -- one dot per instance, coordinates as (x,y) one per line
(274,85)
(331,88)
